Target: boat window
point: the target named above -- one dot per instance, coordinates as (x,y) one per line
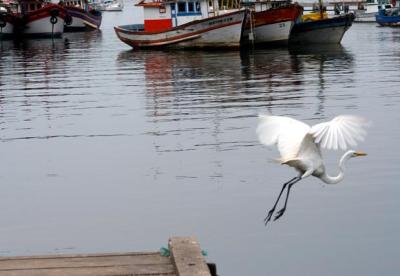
(162,9)
(39,6)
(181,7)
(32,6)
(190,7)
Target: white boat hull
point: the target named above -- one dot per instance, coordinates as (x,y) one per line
(220,31)
(6,25)
(271,33)
(7,30)
(365,16)
(44,28)
(77,22)
(271,26)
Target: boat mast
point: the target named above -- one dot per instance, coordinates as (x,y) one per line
(321,13)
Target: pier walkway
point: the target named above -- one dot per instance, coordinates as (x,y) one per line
(185,259)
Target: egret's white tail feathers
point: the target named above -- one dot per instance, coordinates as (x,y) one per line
(290,161)
(296,163)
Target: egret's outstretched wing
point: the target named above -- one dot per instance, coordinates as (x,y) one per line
(285,132)
(342,131)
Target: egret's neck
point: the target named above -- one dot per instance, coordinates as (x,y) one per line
(336,179)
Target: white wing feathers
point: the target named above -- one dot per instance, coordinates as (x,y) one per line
(341,132)
(285,132)
(288,134)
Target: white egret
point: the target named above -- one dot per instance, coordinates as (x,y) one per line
(300,146)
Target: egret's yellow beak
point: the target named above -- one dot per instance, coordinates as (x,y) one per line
(360,153)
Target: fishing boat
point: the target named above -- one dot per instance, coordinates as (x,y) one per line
(39,18)
(366,12)
(324,31)
(112,5)
(7,22)
(83,17)
(268,24)
(321,31)
(388,17)
(184,24)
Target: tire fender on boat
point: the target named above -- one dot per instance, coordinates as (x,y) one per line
(53,20)
(54,13)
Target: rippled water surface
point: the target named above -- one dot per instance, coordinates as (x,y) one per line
(107,149)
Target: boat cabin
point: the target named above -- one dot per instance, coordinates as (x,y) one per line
(162,15)
(82,4)
(25,6)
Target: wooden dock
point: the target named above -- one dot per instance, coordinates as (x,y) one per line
(185,259)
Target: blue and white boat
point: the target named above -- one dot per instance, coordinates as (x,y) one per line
(367,10)
(388,17)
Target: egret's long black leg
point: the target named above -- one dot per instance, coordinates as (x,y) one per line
(268,217)
(282,211)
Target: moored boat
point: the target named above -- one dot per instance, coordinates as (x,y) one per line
(112,5)
(40,18)
(82,16)
(7,22)
(183,24)
(323,31)
(388,17)
(268,24)
(367,11)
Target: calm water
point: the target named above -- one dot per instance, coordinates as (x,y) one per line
(105,149)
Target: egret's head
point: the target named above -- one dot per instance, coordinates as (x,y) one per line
(358,153)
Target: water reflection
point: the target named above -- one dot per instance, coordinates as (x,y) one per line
(177,82)
(323,61)
(185,89)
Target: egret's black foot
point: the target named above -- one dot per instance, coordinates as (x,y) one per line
(280,213)
(268,217)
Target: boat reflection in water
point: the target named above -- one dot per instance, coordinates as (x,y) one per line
(318,63)
(183,90)
(46,62)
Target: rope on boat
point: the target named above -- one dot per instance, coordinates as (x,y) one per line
(252,26)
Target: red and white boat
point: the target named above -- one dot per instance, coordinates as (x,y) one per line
(40,18)
(184,24)
(83,16)
(271,21)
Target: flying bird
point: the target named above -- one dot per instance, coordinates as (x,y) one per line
(300,146)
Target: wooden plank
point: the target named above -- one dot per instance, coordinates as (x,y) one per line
(187,258)
(76,255)
(98,271)
(54,261)
(93,264)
